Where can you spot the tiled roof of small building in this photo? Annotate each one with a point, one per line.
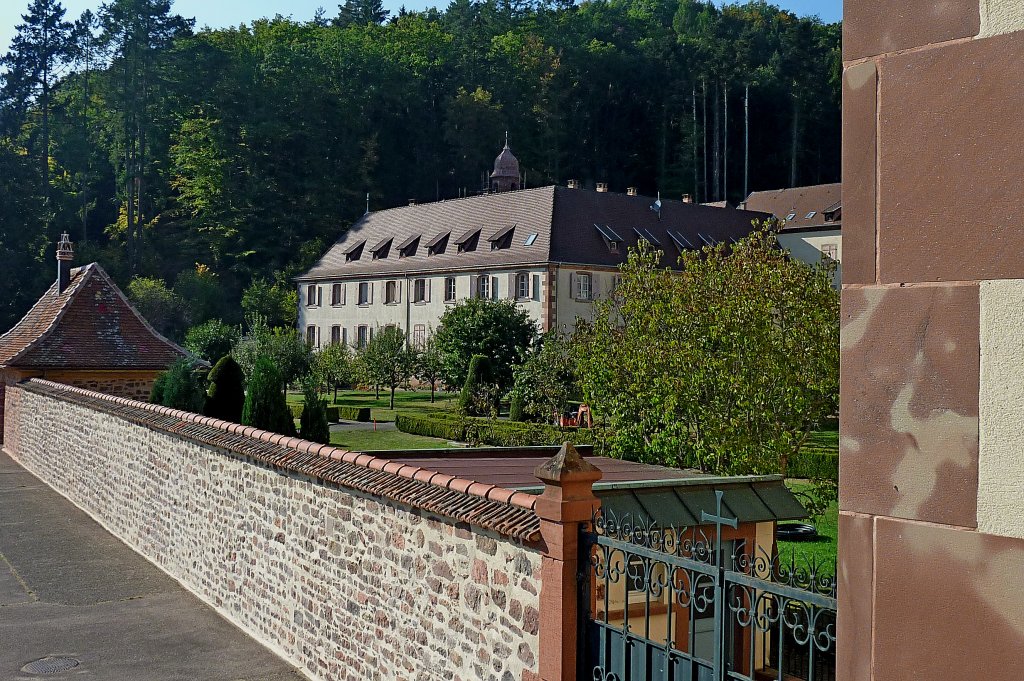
(564, 220)
(90, 325)
(817, 205)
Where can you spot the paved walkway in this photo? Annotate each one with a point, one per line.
(69, 588)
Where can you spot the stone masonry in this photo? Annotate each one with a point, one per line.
(931, 526)
(343, 584)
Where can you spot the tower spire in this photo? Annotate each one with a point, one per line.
(506, 139)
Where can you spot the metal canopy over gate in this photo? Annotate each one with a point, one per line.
(690, 605)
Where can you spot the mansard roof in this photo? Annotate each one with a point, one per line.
(816, 206)
(90, 325)
(565, 221)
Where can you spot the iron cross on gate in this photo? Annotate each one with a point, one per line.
(719, 520)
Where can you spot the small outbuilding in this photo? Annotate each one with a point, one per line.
(84, 332)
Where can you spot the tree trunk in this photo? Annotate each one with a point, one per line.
(725, 143)
(392, 397)
(795, 141)
(746, 144)
(696, 177)
(716, 169)
(431, 392)
(704, 106)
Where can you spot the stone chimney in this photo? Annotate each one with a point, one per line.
(631, 191)
(602, 187)
(574, 184)
(65, 256)
(687, 198)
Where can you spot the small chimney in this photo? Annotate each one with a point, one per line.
(630, 191)
(65, 255)
(687, 198)
(574, 184)
(602, 187)
(412, 202)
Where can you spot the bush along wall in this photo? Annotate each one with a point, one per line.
(492, 432)
(814, 464)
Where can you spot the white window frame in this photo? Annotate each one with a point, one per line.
(830, 251)
(312, 295)
(338, 294)
(335, 334)
(392, 292)
(420, 290)
(362, 336)
(419, 336)
(522, 284)
(450, 289)
(311, 333)
(583, 286)
(364, 288)
(483, 286)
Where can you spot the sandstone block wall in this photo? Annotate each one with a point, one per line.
(931, 506)
(343, 584)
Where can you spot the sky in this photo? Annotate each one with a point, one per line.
(219, 13)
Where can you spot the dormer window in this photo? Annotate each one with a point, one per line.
(646, 235)
(438, 244)
(468, 241)
(407, 248)
(502, 239)
(610, 237)
(681, 242)
(355, 251)
(381, 250)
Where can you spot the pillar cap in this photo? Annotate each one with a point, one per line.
(567, 466)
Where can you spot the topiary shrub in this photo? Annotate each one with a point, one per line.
(182, 388)
(225, 397)
(476, 398)
(265, 406)
(516, 411)
(313, 425)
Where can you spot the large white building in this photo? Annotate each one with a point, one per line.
(553, 250)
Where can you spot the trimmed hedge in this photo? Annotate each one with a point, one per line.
(814, 463)
(491, 432)
(352, 413)
(332, 412)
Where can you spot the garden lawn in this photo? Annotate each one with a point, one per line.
(822, 551)
(368, 440)
(406, 401)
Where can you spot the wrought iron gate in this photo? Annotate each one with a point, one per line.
(680, 605)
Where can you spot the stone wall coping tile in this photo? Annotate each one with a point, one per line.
(506, 511)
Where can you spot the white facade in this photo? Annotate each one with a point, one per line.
(351, 310)
(811, 246)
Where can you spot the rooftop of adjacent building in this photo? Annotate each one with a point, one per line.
(817, 206)
(84, 321)
(526, 227)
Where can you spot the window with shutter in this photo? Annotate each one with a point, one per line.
(311, 295)
(449, 289)
(494, 288)
(536, 287)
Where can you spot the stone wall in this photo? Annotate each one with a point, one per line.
(931, 520)
(346, 585)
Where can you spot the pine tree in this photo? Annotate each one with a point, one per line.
(40, 48)
(182, 387)
(265, 405)
(313, 424)
(361, 13)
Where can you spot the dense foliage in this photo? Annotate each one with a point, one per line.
(265, 406)
(726, 367)
(226, 395)
(480, 395)
(498, 329)
(283, 346)
(180, 387)
(313, 425)
(211, 339)
(248, 149)
(545, 382)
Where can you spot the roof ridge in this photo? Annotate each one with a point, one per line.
(458, 198)
(85, 271)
